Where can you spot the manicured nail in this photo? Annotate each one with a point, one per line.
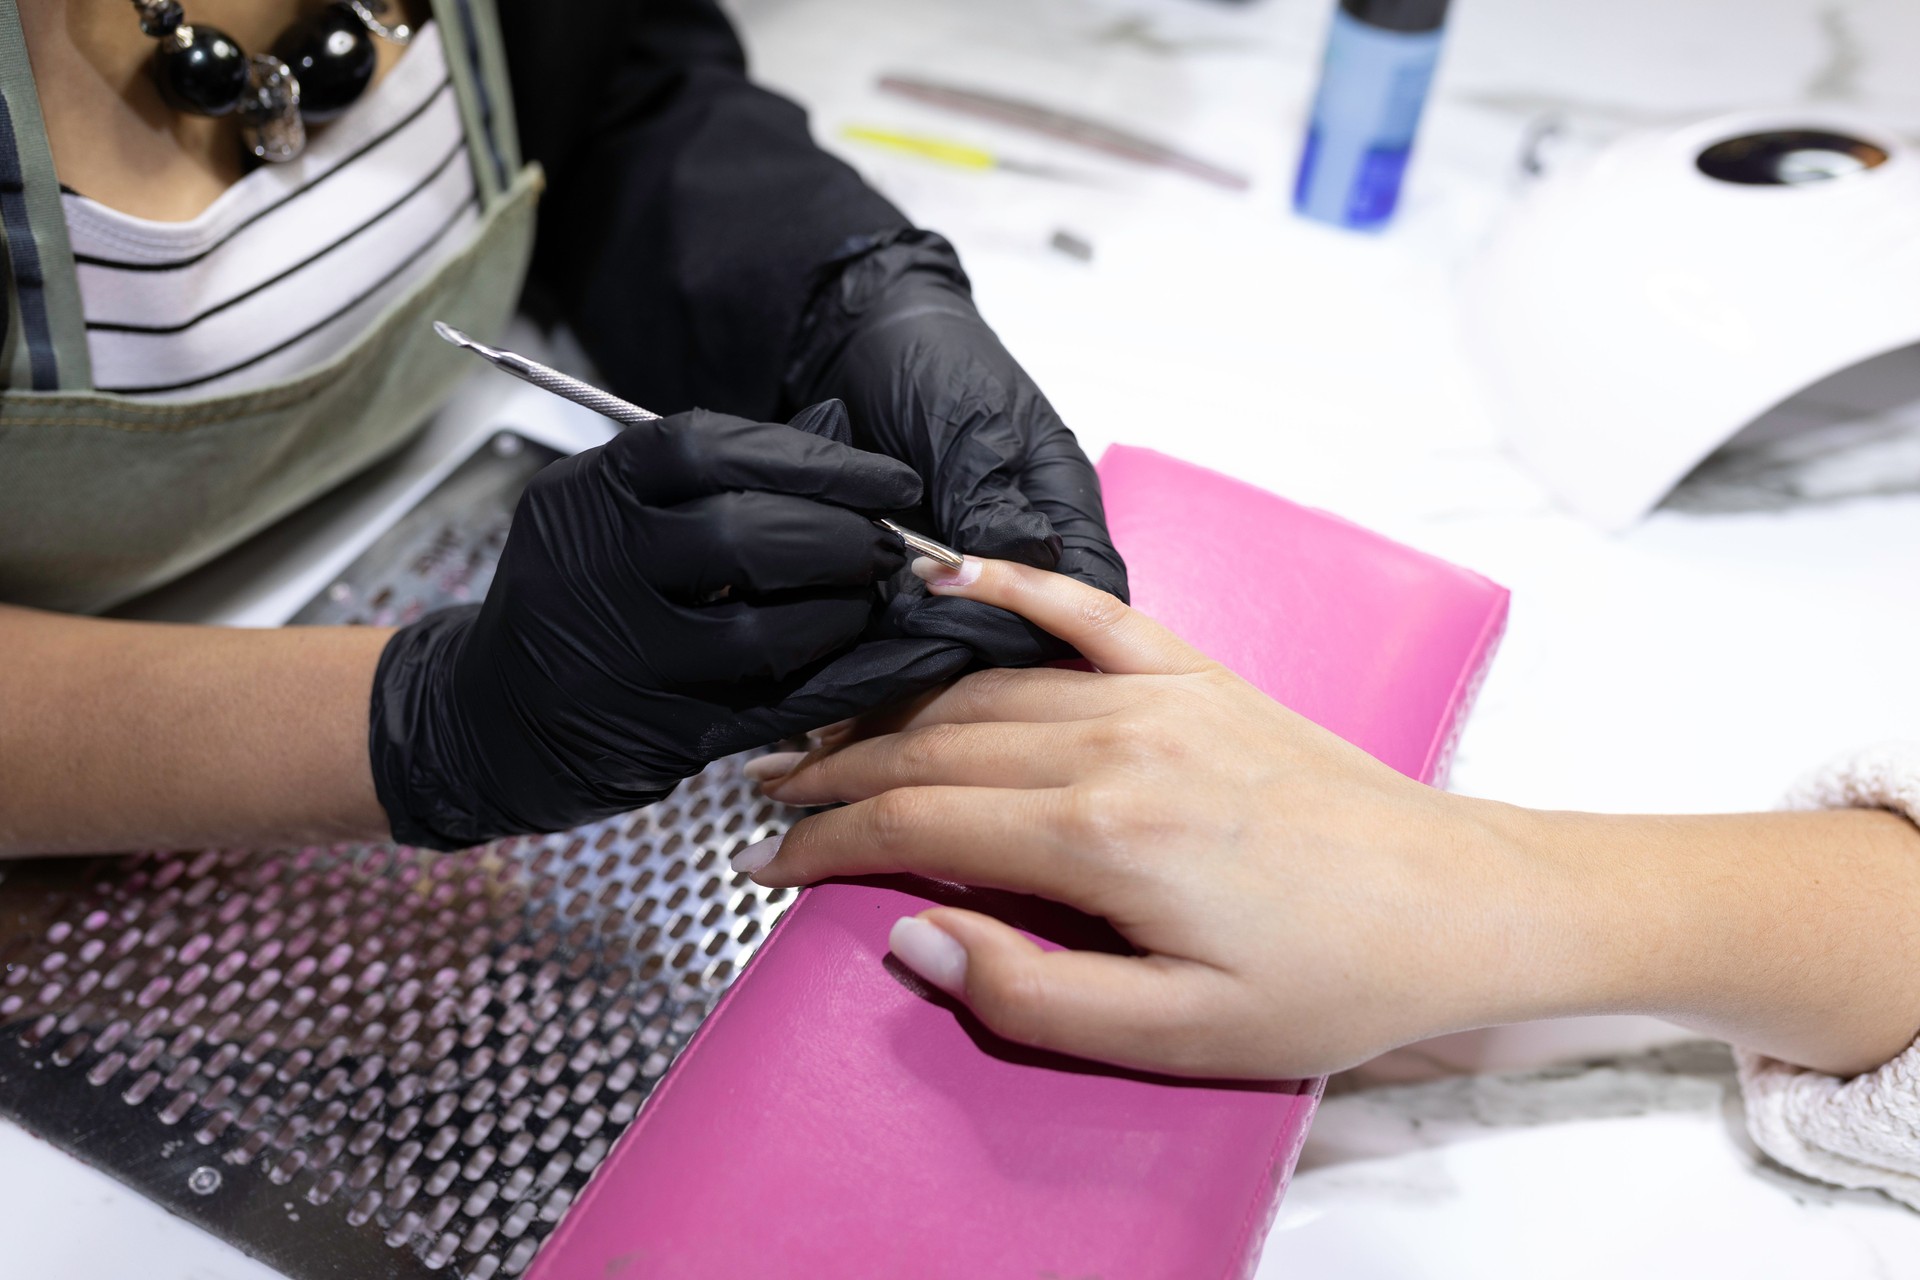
(757, 855)
(828, 733)
(935, 574)
(931, 952)
(773, 766)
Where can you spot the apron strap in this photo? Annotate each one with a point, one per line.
(45, 343)
(477, 60)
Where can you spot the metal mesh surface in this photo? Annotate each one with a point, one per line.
(370, 1061)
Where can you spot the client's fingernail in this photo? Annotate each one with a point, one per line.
(756, 855)
(773, 766)
(935, 574)
(931, 952)
(829, 733)
(837, 727)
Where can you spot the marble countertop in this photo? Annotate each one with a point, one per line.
(1695, 663)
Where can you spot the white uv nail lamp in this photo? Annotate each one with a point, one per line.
(1636, 310)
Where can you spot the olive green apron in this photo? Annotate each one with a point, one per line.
(104, 496)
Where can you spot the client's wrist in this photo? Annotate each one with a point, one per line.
(1643, 914)
(1781, 932)
(1563, 923)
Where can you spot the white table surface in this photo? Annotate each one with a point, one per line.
(1691, 664)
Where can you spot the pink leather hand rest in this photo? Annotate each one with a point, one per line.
(831, 1120)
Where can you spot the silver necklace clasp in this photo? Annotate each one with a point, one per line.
(370, 14)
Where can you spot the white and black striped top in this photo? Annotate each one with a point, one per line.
(291, 263)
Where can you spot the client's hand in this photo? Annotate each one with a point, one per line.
(1300, 906)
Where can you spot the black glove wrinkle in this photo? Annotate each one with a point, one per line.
(893, 332)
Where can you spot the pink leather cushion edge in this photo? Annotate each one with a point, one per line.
(831, 1120)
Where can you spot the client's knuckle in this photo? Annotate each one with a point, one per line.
(893, 817)
(1092, 821)
(1108, 735)
(1014, 1000)
(1160, 749)
(1097, 611)
(1128, 743)
(924, 749)
(1212, 682)
(985, 687)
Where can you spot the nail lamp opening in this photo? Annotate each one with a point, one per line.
(1638, 309)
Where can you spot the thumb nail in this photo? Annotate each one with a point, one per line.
(931, 952)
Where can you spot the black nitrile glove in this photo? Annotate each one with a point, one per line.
(674, 596)
(894, 333)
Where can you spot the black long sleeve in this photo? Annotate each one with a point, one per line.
(688, 212)
(691, 232)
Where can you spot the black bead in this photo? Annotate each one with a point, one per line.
(161, 17)
(201, 70)
(332, 57)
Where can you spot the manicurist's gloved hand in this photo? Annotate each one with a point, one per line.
(894, 333)
(686, 591)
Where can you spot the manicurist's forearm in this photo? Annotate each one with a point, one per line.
(1794, 934)
(120, 735)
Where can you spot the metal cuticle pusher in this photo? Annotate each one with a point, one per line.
(627, 414)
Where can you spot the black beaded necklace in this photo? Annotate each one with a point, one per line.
(316, 70)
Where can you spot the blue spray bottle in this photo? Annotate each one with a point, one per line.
(1379, 65)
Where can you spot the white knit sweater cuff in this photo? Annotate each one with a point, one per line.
(1863, 1132)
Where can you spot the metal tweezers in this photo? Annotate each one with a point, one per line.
(628, 414)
